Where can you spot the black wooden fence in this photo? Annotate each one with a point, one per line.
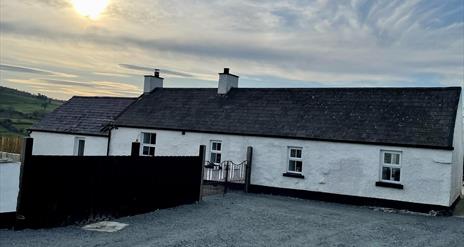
(61, 190)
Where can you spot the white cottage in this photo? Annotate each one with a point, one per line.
(78, 127)
(398, 145)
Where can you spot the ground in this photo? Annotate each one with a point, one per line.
(459, 210)
(240, 219)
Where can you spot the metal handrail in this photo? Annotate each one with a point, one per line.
(223, 169)
(225, 162)
(233, 172)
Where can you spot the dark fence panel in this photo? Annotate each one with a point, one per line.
(61, 190)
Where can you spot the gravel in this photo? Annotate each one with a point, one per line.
(240, 219)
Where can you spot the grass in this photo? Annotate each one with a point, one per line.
(20, 110)
(24, 102)
(5, 132)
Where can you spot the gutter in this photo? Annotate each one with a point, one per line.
(66, 132)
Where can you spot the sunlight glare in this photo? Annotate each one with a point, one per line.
(90, 8)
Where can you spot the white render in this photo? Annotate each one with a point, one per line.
(226, 82)
(458, 153)
(9, 186)
(47, 143)
(151, 82)
(429, 176)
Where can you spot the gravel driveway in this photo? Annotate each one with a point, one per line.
(240, 219)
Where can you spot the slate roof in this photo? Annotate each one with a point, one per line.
(419, 117)
(83, 115)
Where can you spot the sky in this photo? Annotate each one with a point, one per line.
(60, 49)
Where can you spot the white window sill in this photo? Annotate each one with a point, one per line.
(293, 175)
(389, 185)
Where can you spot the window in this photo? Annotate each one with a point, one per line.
(390, 166)
(148, 144)
(79, 145)
(295, 162)
(216, 148)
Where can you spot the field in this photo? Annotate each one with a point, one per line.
(239, 219)
(19, 110)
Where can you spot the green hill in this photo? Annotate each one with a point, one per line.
(19, 110)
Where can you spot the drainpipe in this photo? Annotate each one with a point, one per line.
(109, 141)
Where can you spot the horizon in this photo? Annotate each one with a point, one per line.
(62, 48)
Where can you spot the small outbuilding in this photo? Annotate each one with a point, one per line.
(78, 126)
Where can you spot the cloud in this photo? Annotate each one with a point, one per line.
(136, 67)
(335, 60)
(24, 70)
(21, 69)
(81, 88)
(112, 74)
(358, 42)
(53, 3)
(354, 61)
(148, 69)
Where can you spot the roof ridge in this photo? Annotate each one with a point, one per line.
(302, 88)
(103, 97)
(109, 125)
(317, 88)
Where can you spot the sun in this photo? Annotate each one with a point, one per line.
(90, 8)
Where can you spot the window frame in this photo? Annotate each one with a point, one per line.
(76, 150)
(290, 158)
(149, 144)
(391, 166)
(215, 151)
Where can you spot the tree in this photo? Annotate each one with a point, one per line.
(45, 101)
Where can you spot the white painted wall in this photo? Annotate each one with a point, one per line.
(226, 82)
(46, 143)
(458, 154)
(9, 186)
(151, 82)
(340, 168)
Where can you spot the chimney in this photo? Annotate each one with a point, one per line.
(152, 81)
(226, 82)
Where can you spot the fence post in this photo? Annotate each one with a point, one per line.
(26, 154)
(249, 157)
(226, 180)
(202, 154)
(135, 149)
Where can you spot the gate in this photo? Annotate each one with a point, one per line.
(220, 176)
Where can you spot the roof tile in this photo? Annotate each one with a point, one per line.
(83, 115)
(399, 116)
